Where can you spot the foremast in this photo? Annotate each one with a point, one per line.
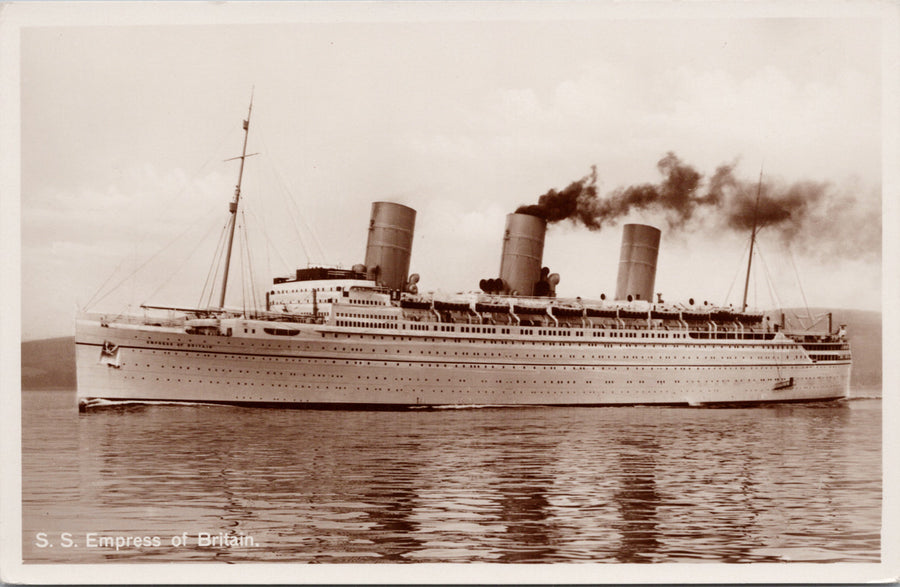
(233, 206)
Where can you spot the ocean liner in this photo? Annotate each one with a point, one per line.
(365, 337)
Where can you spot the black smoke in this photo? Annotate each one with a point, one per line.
(573, 203)
(813, 215)
(678, 193)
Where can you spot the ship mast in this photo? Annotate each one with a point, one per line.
(233, 206)
(752, 242)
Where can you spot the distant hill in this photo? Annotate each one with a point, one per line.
(50, 363)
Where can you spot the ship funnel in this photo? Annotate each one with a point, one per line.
(637, 262)
(390, 243)
(523, 250)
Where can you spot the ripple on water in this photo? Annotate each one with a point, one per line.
(773, 484)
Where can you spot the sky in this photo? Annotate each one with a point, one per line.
(461, 111)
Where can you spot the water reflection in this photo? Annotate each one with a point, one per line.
(395, 531)
(637, 500)
(523, 506)
(530, 485)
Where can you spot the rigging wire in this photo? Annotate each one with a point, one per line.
(243, 253)
(108, 279)
(165, 205)
(294, 209)
(769, 280)
(140, 267)
(304, 246)
(214, 266)
(253, 283)
(172, 274)
(283, 189)
(217, 263)
(248, 213)
(756, 282)
(206, 291)
(806, 322)
(799, 284)
(267, 238)
(260, 133)
(241, 274)
(219, 148)
(812, 318)
(265, 231)
(736, 274)
(249, 298)
(249, 277)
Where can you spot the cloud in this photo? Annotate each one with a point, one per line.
(142, 203)
(608, 116)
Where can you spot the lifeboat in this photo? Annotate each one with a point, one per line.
(704, 316)
(523, 309)
(750, 318)
(415, 304)
(492, 307)
(632, 314)
(601, 313)
(566, 311)
(722, 316)
(664, 314)
(444, 306)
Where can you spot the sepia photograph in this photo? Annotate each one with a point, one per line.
(449, 292)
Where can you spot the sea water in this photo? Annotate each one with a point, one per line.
(136, 482)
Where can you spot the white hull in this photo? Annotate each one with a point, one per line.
(332, 367)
